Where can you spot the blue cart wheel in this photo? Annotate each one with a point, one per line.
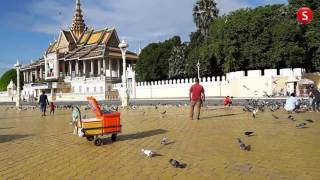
(90, 138)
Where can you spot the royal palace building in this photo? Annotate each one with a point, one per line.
(81, 61)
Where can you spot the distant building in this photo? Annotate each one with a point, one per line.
(81, 61)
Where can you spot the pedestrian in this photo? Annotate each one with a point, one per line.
(226, 101)
(316, 98)
(311, 97)
(43, 101)
(196, 96)
(52, 107)
(292, 104)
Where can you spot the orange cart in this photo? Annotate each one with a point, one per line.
(104, 123)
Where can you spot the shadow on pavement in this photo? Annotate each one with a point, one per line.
(8, 138)
(7, 128)
(223, 115)
(139, 135)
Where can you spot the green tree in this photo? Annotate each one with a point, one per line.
(153, 61)
(204, 13)
(6, 78)
(178, 62)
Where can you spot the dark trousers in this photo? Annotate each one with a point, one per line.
(43, 108)
(316, 105)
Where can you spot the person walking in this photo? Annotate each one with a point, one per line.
(316, 98)
(43, 101)
(52, 107)
(196, 96)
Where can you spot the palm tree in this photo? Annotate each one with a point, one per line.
(204, 13)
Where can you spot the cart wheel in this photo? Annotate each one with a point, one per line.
(90, 138)
(97, 142)
(113, 137)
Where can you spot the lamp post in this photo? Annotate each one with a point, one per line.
(18, 100)
(198, 66)
(125, 98)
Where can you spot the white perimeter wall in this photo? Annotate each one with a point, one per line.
(255, 84)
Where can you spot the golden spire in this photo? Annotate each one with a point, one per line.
(78, 25)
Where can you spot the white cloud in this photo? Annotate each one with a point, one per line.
(135, 20)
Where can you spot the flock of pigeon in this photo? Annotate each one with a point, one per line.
(254, 106)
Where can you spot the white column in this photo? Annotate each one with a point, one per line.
(104, 66)
(77, 68)
(27, 77)
(92, 70)
(84, 67)
(24, 76)
(110, 67)
(70, 68)
(31, 80)
(118, 66)
(36, 73)
(41, 73)
(18, 100)
(99, 67)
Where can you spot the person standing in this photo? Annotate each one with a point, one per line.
(196, 96)
(316, 99)
(43, 101)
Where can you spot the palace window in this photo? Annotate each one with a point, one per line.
(101, 89)
(87, 89)
(95, 89)
(80, 89)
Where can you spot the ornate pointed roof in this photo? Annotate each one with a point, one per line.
(78, 25)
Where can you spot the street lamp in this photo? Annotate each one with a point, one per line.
(18, 100)
(198, 66)
(125, 97)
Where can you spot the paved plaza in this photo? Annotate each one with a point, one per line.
(35, 147)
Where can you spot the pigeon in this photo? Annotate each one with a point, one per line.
(155, 107)
(164, 141)
(248, 133)
(176, 163)
(301, 125)
(243, 146)
(291, 118)
(275, 117)
(84, 117)
(164, 112)
(133, 108)
(147, 153)
(310, 121)
(254, 113)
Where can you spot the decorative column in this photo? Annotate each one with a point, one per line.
(77, 68)
(31, 79)
(70, 68)
(110, 67)
(41, 73)
(104, 66)
(84, 68)
(125, 98)
(18, 99)
(118, 66)
(99, 67)
(36, 74)
(92, 70)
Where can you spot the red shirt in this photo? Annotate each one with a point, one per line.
(196, 91)
(226, 101)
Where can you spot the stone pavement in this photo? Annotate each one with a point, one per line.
(35, 147)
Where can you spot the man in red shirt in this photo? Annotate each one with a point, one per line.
(196, 95)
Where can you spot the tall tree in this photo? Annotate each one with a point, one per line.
(178, 62)
(153, 61)
(204, 13)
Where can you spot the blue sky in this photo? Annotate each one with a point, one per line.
(28, 26)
